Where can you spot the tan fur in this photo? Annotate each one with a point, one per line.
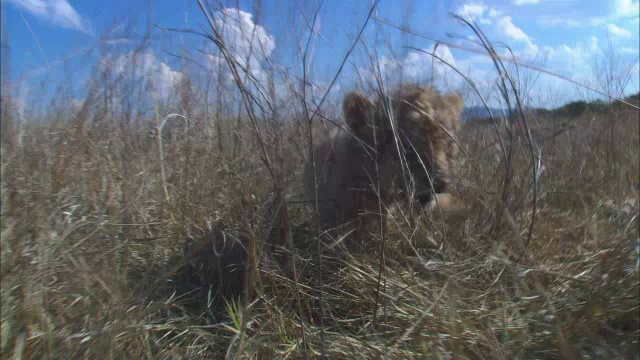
(422, 119)
(446, 202)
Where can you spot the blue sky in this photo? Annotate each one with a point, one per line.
(563, 36)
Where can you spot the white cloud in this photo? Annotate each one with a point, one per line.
(515, 33)
(445, 54)
(525, 2)
(472, 10)
(57, 12)
(579, 62)
(416, 66)
(250, 44)
(576, 60)
(144, 67)
(506, 26)
(629, 51)
(315, 91)
(530, 50)
(242, 36)
(622, 9)
(387, 65)
(618, 31)
(485, 15)
(494, 13)
(565, 21)
(626, 8)
(477, 12)
(573, 60)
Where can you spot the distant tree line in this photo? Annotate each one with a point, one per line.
(577, 108)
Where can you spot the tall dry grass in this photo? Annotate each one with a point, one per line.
(94, 214)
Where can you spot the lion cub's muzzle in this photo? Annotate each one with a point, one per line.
(424, 197)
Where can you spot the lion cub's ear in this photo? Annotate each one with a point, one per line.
(456, 102)
(355, 107)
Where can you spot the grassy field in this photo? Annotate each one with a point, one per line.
(540, 261)
(88, 238)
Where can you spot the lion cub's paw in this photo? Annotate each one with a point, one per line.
(445, 202)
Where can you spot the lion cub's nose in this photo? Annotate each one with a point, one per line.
(424, 198)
